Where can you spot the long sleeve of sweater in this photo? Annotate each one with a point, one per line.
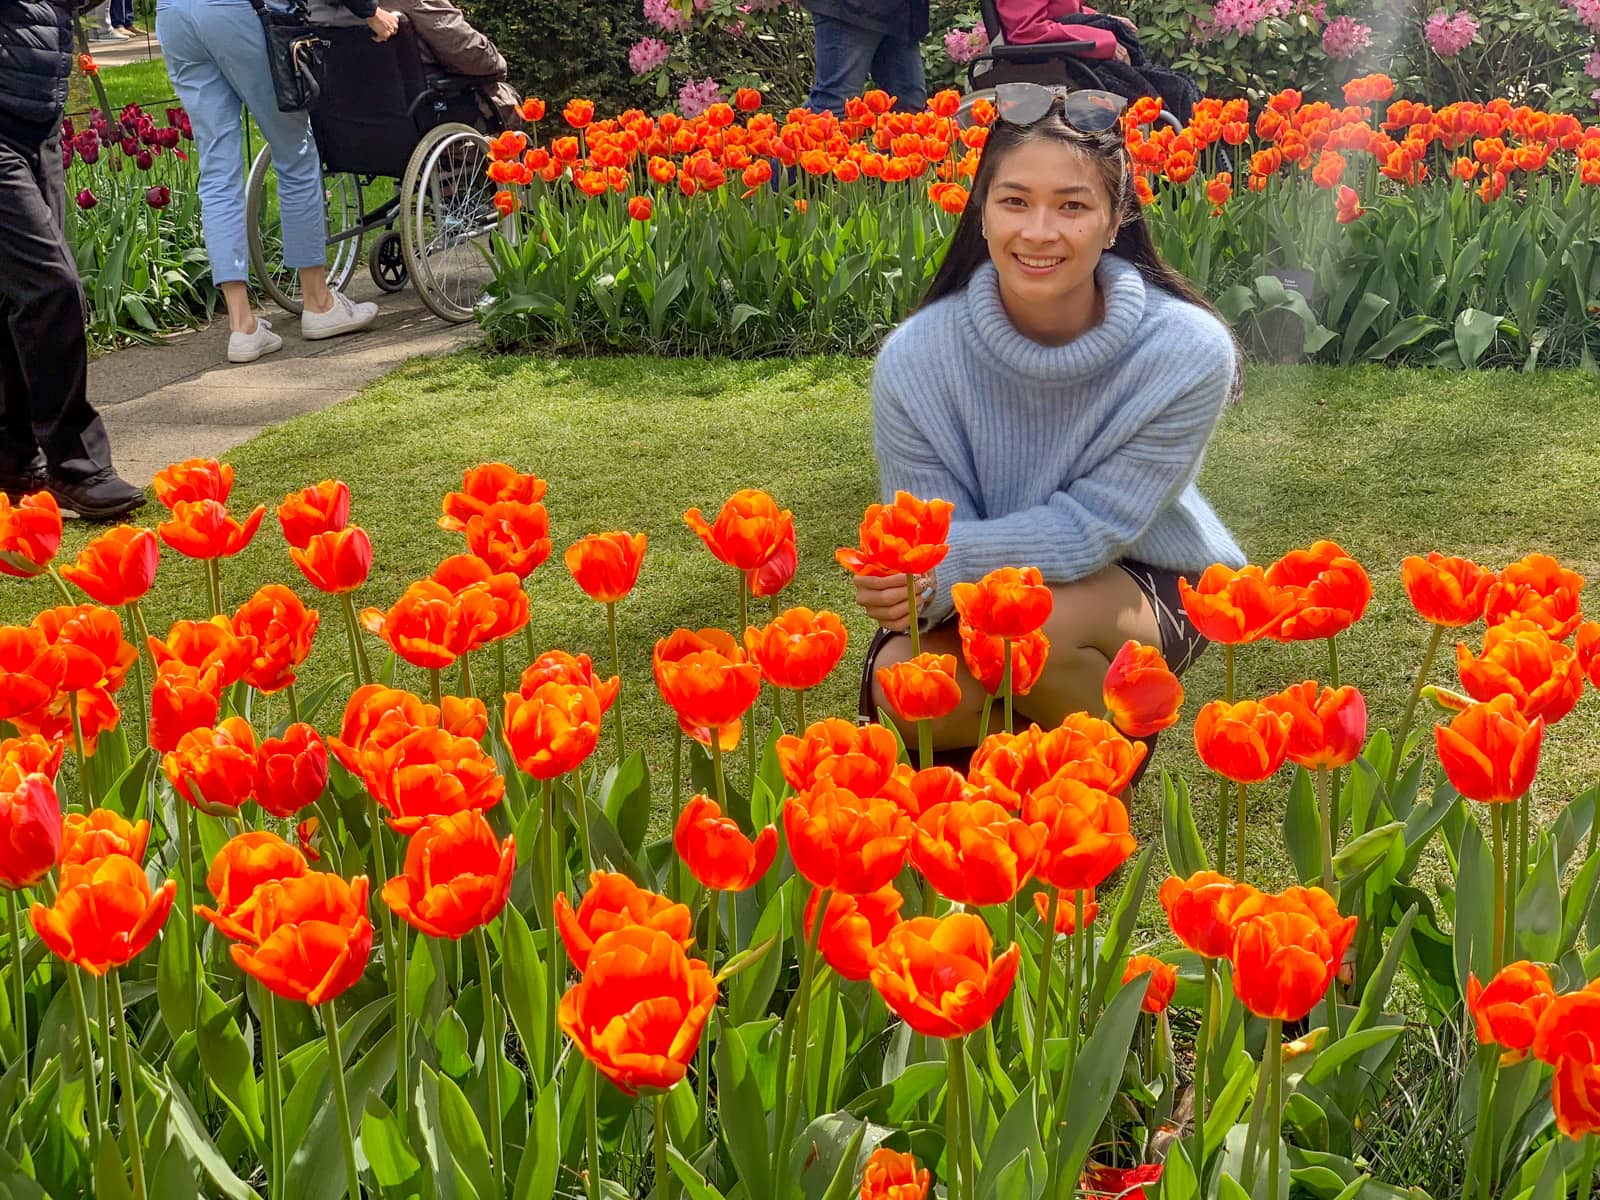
(1025, 22)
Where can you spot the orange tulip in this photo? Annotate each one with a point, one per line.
(89, 641)
(890, 1175)
(213, 645)
(281, 628)
(639, 1010)
(204, 529)
(245, 864)
(1330, 589)
(940, 976)
(321, 508)
(1490, 752)
(486, 484)
(96, 710)
(615, 902)
(553, 730)
(30, 534)
(1327, 728)
(974, 852)
(116, 568)
(380, 716)
(777, 573)
(1086, 834)
(716, 850)
(798, 649)
(1201, 911)
(488, 604)
(513, 538)
(1067, 908)
(1540, 589)
(1286, 950)
(865, 759)
(578, 113)
(104, 914)
(853, 929)
(312, 937)
(1245, 742)
(1507, 1011)
(291, 771)
(425, 626)
(464, 716)
(1446, 591)
(705, 677)
(335, 561)
(907, 537)
(30, 829)
(432, 773)
(606, 565)
(86, 837)
(182, 699)
(193, 479)
(215, 769)
(1568, 1036)
(1235, 607)
(1163, 981)
(1006, 603)
(748, 530)
(35, 755)
(986, 660)
(1140, 692)
(457, 876)
(1009, 767)
(557, 666)
(923, 688)
(1522, 661)
(840, 840)
(30, 670)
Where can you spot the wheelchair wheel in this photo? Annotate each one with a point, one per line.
(387, 262)
(447, 216)
(264, 231)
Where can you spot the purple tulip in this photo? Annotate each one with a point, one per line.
(158, 196)
(143, 160)
(87, 199)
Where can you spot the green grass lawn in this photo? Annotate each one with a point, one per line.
(142, 83)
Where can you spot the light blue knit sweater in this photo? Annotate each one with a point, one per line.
(1064, 458)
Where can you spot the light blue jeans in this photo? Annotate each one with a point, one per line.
(217, 56)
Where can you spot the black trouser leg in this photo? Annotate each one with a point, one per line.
(44, 361)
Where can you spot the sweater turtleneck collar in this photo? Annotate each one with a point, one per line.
(1124, 291)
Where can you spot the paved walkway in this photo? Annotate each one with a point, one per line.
(181, 398)
(122, 52)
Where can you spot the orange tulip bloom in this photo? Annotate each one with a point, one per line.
(615, 902)
(1086, 834)
(1286, 950)
(1490, 752)
(1201, 910)
(1327, 728)
(1245, 742)
(854, 928)
(1446, 591)
(88, 639)
(974, 852)
(193, 479)
(1522, 661)
(205, 529)
(798, 649)
(104, 914)
(1007, 603)
(245, 864)
(1140, 692)
(511, 537)
(705, 677)
(803, 759)
(182, 699)
(30, 534)
(280, 627)
(1568, 1036)
(1540, 589)
(1163, 981)
(488, 604)
(606, 565)
(940, 975)
(840, 840)
(1067, 909)
(321, 508)
(30, 829)
(291, 771)
(335, 561)
(215, 769)
(923, 688)
(457, 876)
(86, 837)
(777, 573)
(1331, 591)
(748, 530)
(1507, 1011)
(486, 484)
(639, 1010)
(1010, 767)
(1235, 607)
(425, 627)
(890, 1175)
(214, 646)
(312, 937)
(34, 755)
(116, 568)
(431, 773)
(986, 661)
(716, 850)
(550, 732)
(464, 716)
(907, 537)
(30, 670)
(557, 666)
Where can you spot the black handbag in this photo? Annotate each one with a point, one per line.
(295, 53)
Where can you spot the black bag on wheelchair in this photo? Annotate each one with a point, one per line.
(295, 53)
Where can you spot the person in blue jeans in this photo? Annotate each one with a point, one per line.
(217, 56)
(858, 39)
(122, 17)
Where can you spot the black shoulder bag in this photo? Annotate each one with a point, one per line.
(295, 53)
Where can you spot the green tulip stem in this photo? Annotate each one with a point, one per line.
(1041, 1005)
(67, 597)
(465, 663)
(1201, 1049)
(493, 1041)
(591, 1115)
(402, 1030)
(84, 792)
(1480, 1164)
(1411, 703)
(585, 849)
(1586, 1167)
(1498, 947)
(85, 1051)
(435, 687)
(214, 583)
(616, 669)
(1007, 676)
(829, 1033)
(330, 1028)
(1333, 662)
(267, 1009)
(552, 956)
(19, 988)
(130, 1112)
(798, 1019)
(711, 965)
(1238, 849)
(186, 820)
(800, 712)
(1325, 808)
(663, 1168)
(294, 705)
(360, 665)
(1274, 1125)
(911, 616)
(677, 806)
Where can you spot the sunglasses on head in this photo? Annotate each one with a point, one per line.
(1087, 110)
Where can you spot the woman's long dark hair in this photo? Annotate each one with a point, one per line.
(969, 250)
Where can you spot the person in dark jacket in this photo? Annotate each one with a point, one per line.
(858, 39)
(51, 438)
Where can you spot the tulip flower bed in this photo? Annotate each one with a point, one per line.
(1453, 237)
(844, 971)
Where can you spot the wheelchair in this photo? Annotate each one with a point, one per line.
(401, 153)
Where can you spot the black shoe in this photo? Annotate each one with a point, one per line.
(101, 497)
(19, 483)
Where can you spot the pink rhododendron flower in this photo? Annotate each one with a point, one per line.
(647, 54)
(1448, 35)
(1588, 12)
(1346, 37)
(694, 98)
(664, 14)
(963, 45)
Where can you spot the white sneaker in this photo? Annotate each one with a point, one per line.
(247, 347)
(346, 316)
(121, 35)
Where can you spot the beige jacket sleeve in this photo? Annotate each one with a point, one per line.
(455, 44)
